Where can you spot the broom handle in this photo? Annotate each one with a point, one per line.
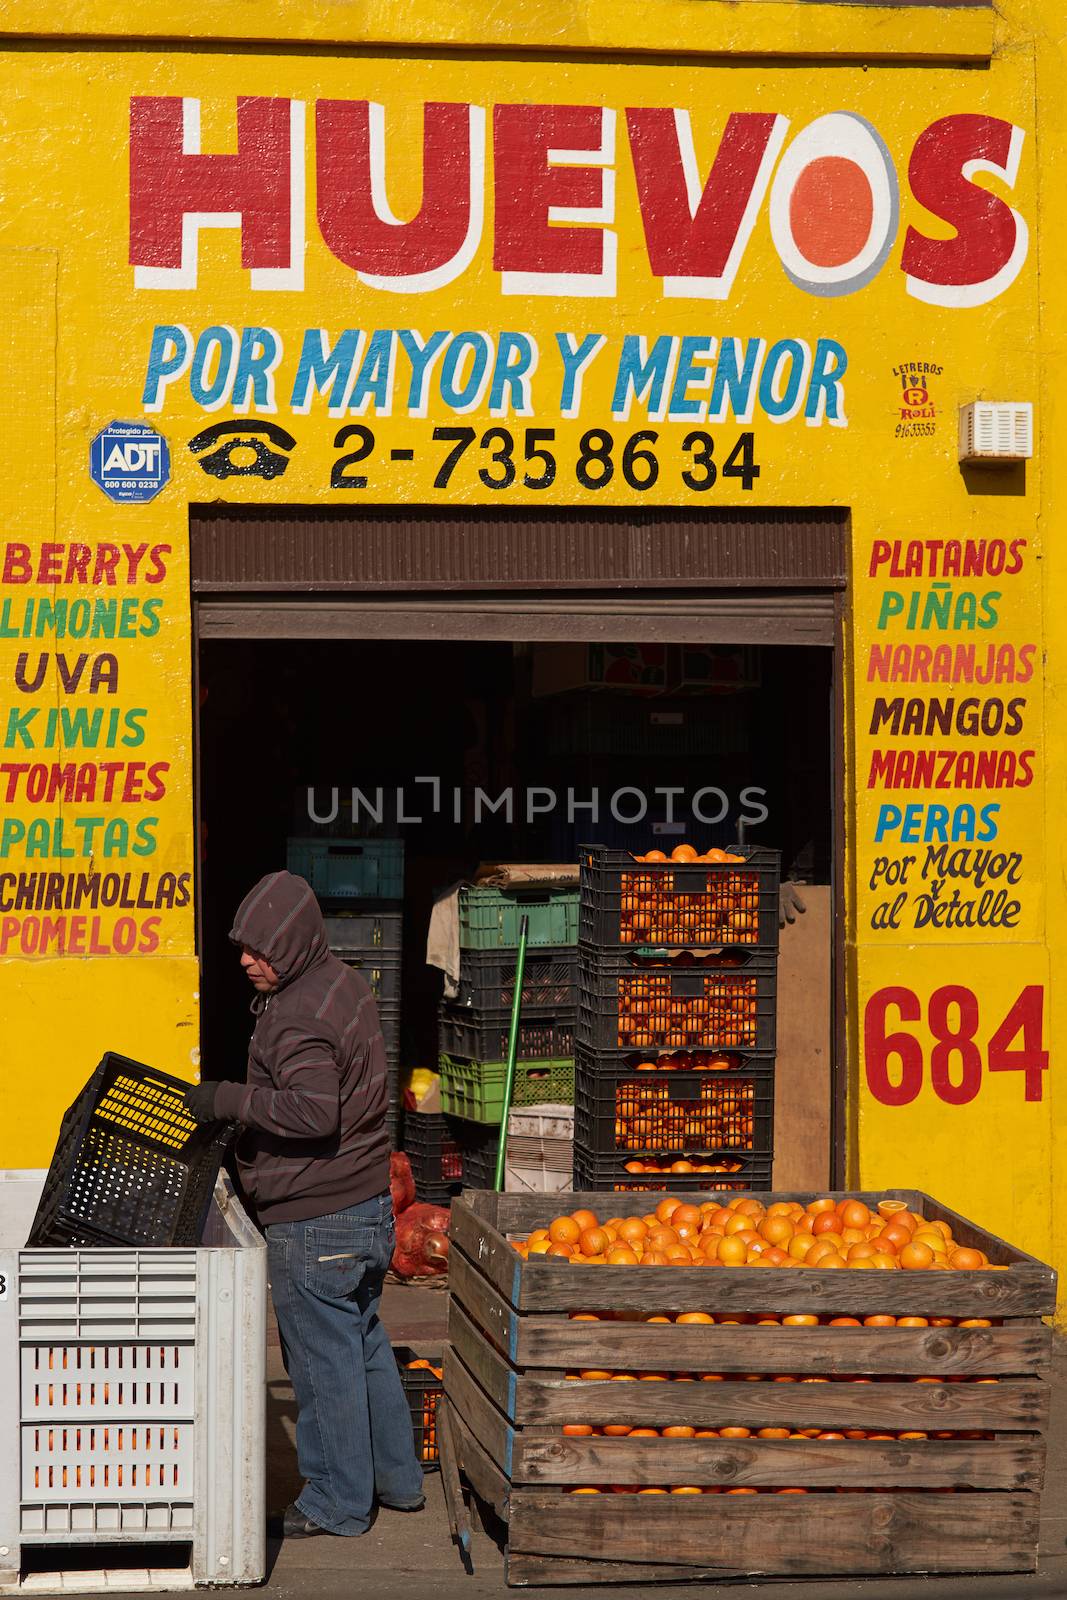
(513, 1050)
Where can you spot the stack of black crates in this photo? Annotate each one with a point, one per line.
(360, 886)
(458, 1149)
(677, 994)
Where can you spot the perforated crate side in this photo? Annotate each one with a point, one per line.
(627, 903)
(595, 1172)
(139, 1408)
(549, 979)
(628, 1004)
(674, 1115)
(422, 1389)
(475, 1089)
(485, 1036)
(132, 1166)
(489, 918)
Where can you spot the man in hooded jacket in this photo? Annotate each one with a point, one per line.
(314, 1156)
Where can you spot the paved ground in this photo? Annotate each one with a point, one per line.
(413, 1557)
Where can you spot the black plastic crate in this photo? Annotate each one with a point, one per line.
(389, 1017)
(484, 1035)
(131, 1167)
(366, 931)
(382, 972)
(674, 1115)
(549, 979)
(618, 725)
(478, 1150)
(423, 1387)
(714, 1003)
(627, 903)
(434, 1152)
(614, 1174)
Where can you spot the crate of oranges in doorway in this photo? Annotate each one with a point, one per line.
(710, 1419)
(723, 897)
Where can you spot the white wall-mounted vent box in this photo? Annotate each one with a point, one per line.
(994, 430)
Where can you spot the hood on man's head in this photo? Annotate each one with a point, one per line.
(281, 920)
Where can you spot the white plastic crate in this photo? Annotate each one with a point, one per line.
(540, 1150)
(992, 431)
(132, 1406)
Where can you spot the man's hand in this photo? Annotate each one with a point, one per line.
(200, 1098)
(789, 904)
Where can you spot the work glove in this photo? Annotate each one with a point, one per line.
(200, 1099)
(789, 904)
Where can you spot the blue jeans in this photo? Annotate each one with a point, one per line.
(353, 1434)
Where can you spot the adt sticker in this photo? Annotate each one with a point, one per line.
(130, 462)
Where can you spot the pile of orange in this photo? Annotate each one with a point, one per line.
(647, 1117)
(689, 1061)
(651, 1014)
(826, 1233)
(724, 911)
(582, 1430)
(680, 1166)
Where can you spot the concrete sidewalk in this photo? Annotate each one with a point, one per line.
(413, 1556)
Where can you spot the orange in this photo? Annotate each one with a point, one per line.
(827, 1222)
(584, 1219)
(845, 1322)
(565, 1250)
(577, 1430)
(583, 1491)
(915, 1257)
(631, 1229)
(644, 1433)
(800, 1320)
(688, 1489)
(595, 1375)
(620, 1255)
(854, 1214)
(885, 1262)
(773, 1433)
(735, 1433)
(912, 1322)
(679, 1431)
(732, 1252)
(683, 852)
(965, 1259)
(593, 1241)
(616, 1430)
(666, 1209)
(880, 1321)
(695, 1316)
(565, 1230)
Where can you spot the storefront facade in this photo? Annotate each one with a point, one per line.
(530, 264)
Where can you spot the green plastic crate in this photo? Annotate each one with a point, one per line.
(489, 918)
(475, 1089)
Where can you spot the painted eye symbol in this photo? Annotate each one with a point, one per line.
(242, 454)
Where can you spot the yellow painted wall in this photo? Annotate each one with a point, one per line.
(75, 335)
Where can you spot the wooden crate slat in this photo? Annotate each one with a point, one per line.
(780, 1463)
(536, 1397)
(550, 1285)
(484, 1476)
(482, 1303)
(489, 1426)
(525, 1571)
(483, 1243)
(1008, 1406)
(903, 1533)
(653, 1347)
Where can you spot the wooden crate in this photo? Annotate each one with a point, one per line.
(513, 1343)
